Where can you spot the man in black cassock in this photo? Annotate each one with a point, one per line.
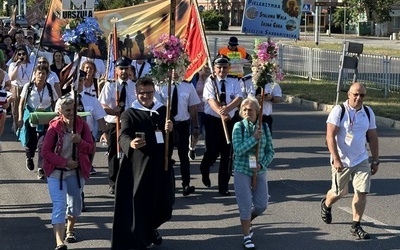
(145, 192)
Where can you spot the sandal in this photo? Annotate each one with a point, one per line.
(70, 237)
(248, 243)
(326, 212)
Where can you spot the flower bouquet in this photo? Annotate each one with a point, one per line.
(79, 33)
(265, 66)
(169, 56)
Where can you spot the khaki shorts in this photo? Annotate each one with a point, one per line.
(360, 174)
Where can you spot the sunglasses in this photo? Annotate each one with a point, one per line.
(222, 67)
(146, 93)
(42, 62)
(358, 94)
(21, 54)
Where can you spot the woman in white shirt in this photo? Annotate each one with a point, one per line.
(20, 72)
(37, 95)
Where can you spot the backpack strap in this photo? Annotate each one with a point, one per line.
(343, 109)
(50, 89)
(366, 109)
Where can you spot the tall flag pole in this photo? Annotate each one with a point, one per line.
(171, 75)
(117, 100)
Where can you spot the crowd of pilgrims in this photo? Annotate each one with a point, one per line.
(64, 148)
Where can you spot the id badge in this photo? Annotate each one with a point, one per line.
(252, 161)
(159, 136)
(349, 138)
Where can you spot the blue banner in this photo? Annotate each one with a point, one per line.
(274, 18)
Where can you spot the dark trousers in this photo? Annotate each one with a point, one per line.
(113, 161)
(32, 144)
(181, 137)
(216, 146)
(268, 120)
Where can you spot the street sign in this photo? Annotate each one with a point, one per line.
(306, 8)
(201, 8)
(334, 4)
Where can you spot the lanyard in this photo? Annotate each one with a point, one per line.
(41, 95)
(352, 121)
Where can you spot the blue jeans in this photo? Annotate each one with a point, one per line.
(66, 201)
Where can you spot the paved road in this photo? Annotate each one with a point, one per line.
(299, 176)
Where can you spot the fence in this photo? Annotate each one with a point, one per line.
(376, 71)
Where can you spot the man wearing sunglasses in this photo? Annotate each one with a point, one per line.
(346, 138)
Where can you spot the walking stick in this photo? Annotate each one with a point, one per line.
(167, 117)
(117, 101)
(254, 177)
(228, 140)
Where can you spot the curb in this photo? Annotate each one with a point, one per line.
(387, 122)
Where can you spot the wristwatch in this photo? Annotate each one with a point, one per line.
(376, 163)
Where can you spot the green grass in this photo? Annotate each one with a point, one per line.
(368, 49)
(325, 92)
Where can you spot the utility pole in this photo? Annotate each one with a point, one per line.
(316, 22)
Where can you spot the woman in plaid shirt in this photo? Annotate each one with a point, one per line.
(252, 201)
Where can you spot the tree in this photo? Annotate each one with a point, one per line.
(212, 18)
(376, 10)
(339, 17)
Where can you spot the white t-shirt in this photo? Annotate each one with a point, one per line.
(275, 90)
(39, 99)
(92, 105)
(357, 123)
(187, 97)
(25, 72)
(146, 68)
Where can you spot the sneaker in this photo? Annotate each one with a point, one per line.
(29, 164)
(40, 174)
(192, 154)
(248, 243)
(326, 214)
(188, 190)
(93, 171)
(360, 233)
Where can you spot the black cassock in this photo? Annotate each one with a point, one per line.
(144, 191)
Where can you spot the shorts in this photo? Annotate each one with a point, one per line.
(360, 174)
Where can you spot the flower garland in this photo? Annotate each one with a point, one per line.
(264, 65)
(79, 33)
(169, 55)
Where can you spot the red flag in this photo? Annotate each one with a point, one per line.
(195, 47)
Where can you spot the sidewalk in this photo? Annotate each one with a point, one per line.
(327, 108)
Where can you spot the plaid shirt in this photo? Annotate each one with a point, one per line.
(244, 145)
